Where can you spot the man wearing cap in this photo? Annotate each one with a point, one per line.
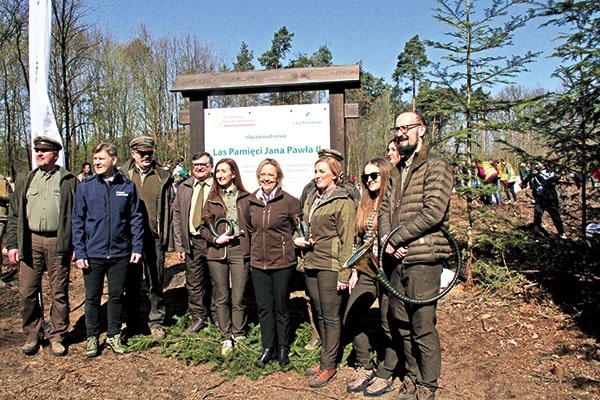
(155, 188)
(39, 239)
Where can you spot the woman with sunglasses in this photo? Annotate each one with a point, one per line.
(228, 254)
(329, 211)
(364, 290)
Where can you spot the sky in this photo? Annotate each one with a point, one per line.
(372, 32)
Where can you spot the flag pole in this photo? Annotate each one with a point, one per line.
(41, 116)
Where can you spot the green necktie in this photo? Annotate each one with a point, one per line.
(197, 218)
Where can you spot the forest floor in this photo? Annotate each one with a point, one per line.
(537, 339)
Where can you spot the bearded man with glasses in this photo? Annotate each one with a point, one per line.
(418, 202)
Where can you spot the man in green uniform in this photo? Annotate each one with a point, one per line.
(155, 187)
(39, 239)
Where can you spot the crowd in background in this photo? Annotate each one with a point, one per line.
(120, 222)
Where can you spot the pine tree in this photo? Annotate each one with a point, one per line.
(244, 59)
(411, 63)
(569, 121)
(472, 61)
(280, 47)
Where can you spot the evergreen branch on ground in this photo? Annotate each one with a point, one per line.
(205, 348)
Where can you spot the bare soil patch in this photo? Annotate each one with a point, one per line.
(534, 342)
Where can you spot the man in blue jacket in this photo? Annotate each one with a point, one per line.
(107, 235)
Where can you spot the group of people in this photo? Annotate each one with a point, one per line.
(119, 222)
(501, 175)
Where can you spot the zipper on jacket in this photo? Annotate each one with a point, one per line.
(266, 221)
(108, 189)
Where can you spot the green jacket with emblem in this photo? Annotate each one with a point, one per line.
(18, 235)
(332, 230)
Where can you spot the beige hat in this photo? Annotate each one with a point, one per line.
(46, 143)
(142, 142)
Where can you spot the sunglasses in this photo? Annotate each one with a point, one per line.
(145, 153)
(372, 175)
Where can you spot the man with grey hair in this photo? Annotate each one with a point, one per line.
(190, 247)
(155, 188)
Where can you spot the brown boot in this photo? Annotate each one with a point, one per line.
(322, 377)
(312, 371)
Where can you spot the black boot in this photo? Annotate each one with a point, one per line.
(267, 355)
(284, 355)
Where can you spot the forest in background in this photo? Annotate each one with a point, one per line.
(105, 90)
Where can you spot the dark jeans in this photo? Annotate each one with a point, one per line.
(271, 288)
(44, 258)
(510, 191)
(197, 280)
(149, 274)
(415, 325)
(115, 271)
(552, 207)
(387, 366)
(327, 303)
(229, 278)
(361, 299)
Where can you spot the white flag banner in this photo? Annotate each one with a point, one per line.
(41, 116)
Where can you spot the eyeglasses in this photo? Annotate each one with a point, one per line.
(403, 128)
(200, 165)
(270, 176)
(372, 175)
(149, 153)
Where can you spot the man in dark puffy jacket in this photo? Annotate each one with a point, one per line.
(107, 236)
(417, 201)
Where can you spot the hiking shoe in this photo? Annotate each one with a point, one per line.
(379, 386)
(30, 347)
(227, 346)
(238, 339)
(322, 378)
(114, 343)
(424, 393)
(91, 349)
(314, 344)
(57, 349)
(360, 380)
(312, 371)
(157, 333)
(408, 390)
(197, 325)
